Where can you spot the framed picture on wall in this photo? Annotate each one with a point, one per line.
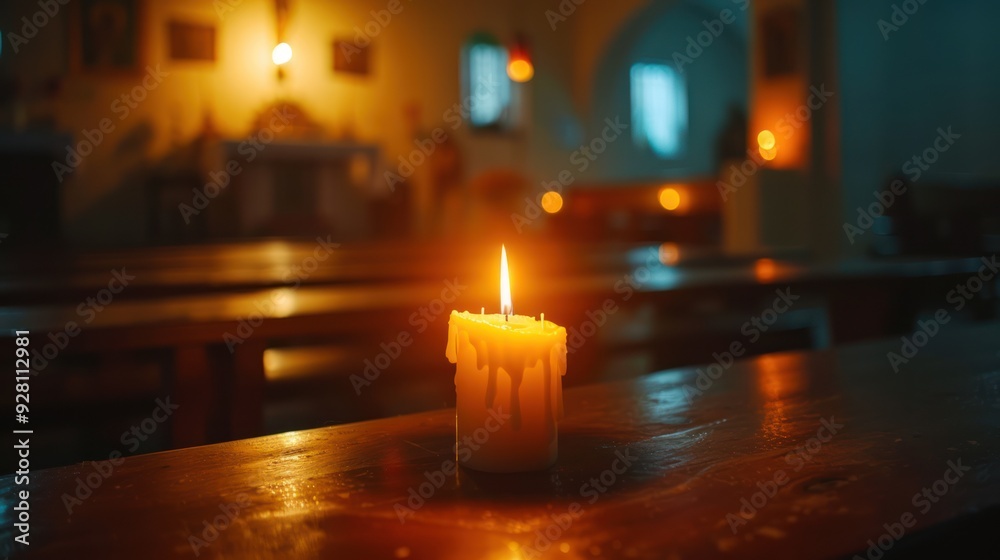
(191, 41)
(106, 36)
(351, 58)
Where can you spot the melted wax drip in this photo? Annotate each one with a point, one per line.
(492, 357)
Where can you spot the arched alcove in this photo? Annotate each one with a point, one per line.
(714, 72)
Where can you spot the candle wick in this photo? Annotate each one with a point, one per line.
(505, 317)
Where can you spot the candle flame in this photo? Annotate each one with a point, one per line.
(506, 307)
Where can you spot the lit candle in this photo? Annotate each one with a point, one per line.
(508, 382)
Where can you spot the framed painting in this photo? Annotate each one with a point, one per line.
(106, 36)
(191, 41)
(350, 58)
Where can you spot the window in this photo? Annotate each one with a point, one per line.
(486, 88)
(659, 109)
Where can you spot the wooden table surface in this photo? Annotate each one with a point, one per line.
(333, 492)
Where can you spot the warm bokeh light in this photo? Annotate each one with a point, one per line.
(670, 198)
(506, 307)
(766, 140)
(768, 154)
(669, 253)
(520, 69)
(764, 270)
(281, 54)
(552, 202)
(519, 65)
(272, 361)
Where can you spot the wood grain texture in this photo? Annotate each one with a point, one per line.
(331, 492)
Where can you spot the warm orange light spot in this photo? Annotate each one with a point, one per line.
(670, 198)
(552, 202)
(520, 70)
(505, 305)
(272, 360)
(281, 54)
(764, 270)
(669, 253)
(564, 547)
(768, 154)
(766, 140)
(779, 377)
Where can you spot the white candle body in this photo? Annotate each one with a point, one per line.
(508, 384)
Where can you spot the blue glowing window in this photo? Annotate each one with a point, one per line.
(659, 109)
(485, 87)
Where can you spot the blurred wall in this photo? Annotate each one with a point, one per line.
(938, 69)
(582, 53)
(415, 65)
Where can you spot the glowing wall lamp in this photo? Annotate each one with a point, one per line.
(282, 52)
(519, 65)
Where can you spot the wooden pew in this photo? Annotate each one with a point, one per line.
(633, 212)
(694, 308)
